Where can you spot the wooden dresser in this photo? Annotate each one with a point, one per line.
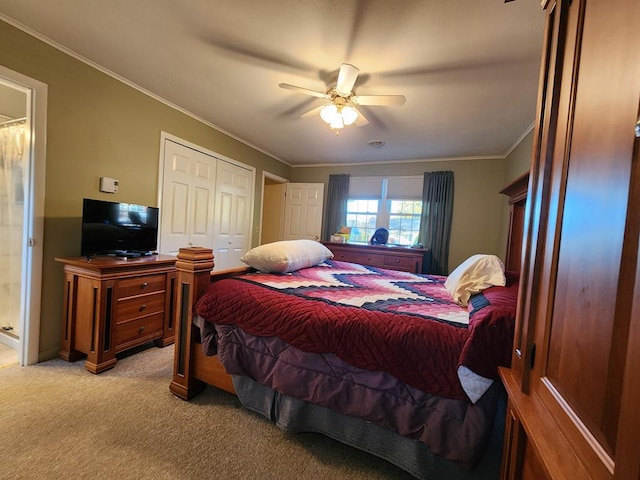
(393, 258)
(111, 305)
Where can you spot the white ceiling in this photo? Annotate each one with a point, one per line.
(468, 68)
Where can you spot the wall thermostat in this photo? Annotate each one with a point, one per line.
(108, 185)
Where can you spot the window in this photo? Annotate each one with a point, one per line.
(362, 216)
(394, 203)
(404, 221)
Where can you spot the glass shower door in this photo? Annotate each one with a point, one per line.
(13, 159)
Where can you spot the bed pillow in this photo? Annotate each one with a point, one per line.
(474, 275)
(286, 256)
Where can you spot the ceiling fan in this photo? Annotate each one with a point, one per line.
(342, 101)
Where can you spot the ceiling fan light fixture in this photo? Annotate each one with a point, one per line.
(337, 116)
(337, 122)
(349, 115)
(341, 108)
(329, 112)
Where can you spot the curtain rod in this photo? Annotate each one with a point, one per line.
(11, 122)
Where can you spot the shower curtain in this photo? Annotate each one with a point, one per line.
(12, 162)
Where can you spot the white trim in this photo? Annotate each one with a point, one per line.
(273, 176)
(37, 92)
(520, 139)
(128, 82)
(387, 162)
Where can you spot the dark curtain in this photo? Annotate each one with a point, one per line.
(435, 223)
(337, 194)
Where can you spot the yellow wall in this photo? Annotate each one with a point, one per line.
(518, 163)
(273, 213)
(477, 205)
(519, 160)
(98, 126)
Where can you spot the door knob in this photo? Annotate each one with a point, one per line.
(638, 128)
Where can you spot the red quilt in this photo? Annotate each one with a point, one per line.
(375, 319)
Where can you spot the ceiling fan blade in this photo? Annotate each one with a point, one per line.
(306, 91)
(312, 112)
(346, 79)
(361, 121)
(379, 99)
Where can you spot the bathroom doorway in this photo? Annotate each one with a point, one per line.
(22, 133)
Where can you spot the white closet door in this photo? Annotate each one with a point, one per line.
(232, 224)
(186, 212)
(303, 211)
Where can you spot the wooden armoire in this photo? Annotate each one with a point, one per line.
(574, 384)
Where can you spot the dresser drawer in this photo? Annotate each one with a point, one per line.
(138, 328)
(400, 262)
(128, 287)
(141, 305)
(344, 256)
(371, 259)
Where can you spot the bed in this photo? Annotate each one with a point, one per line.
(352, 352)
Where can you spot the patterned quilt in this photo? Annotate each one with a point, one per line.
(375, 319)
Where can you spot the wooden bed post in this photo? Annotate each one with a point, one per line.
(193, 267)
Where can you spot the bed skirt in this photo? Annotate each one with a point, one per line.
(294, 415)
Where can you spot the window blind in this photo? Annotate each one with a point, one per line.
(365, 188)
(404, 188)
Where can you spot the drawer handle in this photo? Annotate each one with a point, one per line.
(397, 260)
(140, 330)
(144, 285)
(143, 307)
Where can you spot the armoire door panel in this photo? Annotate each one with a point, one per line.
(534, 263)
(580, 328)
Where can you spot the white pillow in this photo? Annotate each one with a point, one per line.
(286, 256)
(474, 275)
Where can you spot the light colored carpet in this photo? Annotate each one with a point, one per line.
(57, 420)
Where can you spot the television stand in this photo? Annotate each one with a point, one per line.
(113, 304)
(130, 254)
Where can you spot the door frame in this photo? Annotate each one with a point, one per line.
(277, 179)
(28, 343)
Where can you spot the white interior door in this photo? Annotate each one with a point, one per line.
(303, 211)
(187, 205)
(232, 218)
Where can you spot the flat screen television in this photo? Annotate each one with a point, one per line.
(119, 229)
